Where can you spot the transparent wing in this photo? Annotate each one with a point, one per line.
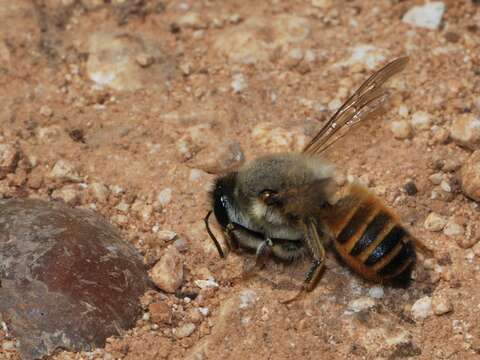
(368, 98)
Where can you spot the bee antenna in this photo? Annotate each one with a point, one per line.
(210, 233)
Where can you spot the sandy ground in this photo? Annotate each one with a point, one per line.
(153, 98)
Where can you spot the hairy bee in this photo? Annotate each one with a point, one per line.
(288, 204)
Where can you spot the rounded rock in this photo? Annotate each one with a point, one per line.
(401, 129)
(65, 171)
(470, 176)
(434, 222)
(422, 308)
(441, 304)
(84, 273)
(167, 273)
(453, 229)
(421, 120)
(184, 331)
(9, 157)
(465, 130)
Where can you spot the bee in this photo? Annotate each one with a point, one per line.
(288, 204)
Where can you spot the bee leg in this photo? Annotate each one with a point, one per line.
(232, 242)
(315, 245)
(262, 251)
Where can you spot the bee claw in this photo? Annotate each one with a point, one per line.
(298, 296)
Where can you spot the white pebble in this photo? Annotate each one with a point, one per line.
(363, 303)
(421, 120)
(206, 284)
(376, 292)
(205, 311)
(401, 129)
(238, 83)
(427, 16)
(453, 229)
(164, 197)
(445, 186)
(422, 308)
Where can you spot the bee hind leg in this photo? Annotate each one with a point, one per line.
(315, 245)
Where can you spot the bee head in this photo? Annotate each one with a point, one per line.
(222, 198)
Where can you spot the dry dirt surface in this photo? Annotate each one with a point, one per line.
(132, 107)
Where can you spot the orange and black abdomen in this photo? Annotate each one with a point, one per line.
(369, 238)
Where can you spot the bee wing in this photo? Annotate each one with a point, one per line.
(368, 98)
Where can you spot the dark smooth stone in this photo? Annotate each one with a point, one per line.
(68, 280)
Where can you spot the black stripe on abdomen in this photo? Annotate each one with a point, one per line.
(405, 255)
(388, 243)
(356, 221)
(371, 233)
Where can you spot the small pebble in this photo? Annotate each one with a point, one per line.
(376, 292)
(64, 170)
(360, 304)
(470, 176)
(445, 186)
(434, 222)
(403, 111)
(184, 331)
(421, 120)
(401, 129)
(9, 157)
(191, 20)
(410, 188)
(204, 311)
(160, 313)
(441, 304)
(167, 274)
(164, 197)
(235, 18)
(99, 191)
(422, 308)
(453, 229)
(46, 111)
(210, 283)
(436, 178)
(238, 83)
(117, 190)
(166, 235)
(68, 194)
(465, 130)
(427, 16)
(122, 206)
(441, 136)
(144, 59)
(181, 244)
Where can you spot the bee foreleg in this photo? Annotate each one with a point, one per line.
(232, 242)
(315, 245)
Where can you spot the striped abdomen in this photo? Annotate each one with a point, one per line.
(369, 238)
